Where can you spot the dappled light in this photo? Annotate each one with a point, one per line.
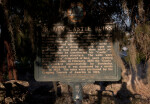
(76, 42)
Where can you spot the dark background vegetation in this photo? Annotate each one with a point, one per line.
(22, 22)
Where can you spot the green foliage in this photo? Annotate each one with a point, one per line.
(140, 58)
(30, 15)
(142, 39)
(142, 29)
(24, 60)
(19, 37)
(127, 58)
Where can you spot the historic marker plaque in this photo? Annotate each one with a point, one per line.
(77, 55)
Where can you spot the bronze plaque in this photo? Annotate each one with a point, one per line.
(77, 54)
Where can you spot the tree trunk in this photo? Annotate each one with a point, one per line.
(5, 35)
(141, 10)
(1, 44)
(1, 59)
(148, 71)
(10, 62)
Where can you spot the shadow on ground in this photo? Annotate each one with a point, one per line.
(32, 92)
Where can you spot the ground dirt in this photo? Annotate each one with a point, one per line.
(32, 92)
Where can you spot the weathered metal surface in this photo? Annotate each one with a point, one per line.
(77, 54)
